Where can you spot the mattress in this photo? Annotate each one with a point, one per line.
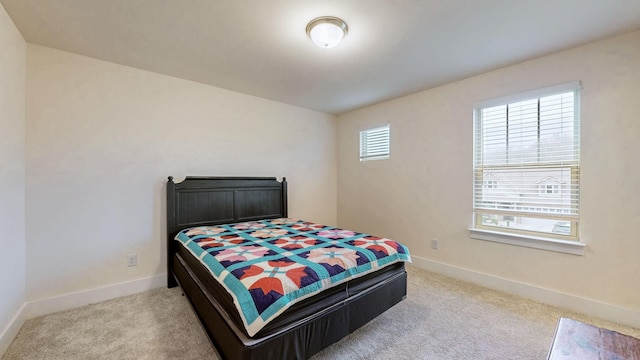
(299, 311)
(304, 308)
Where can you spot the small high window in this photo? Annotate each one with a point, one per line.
(374, 143)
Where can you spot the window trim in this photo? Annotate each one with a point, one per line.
(536, 242)
(560, 243)
(528, 95)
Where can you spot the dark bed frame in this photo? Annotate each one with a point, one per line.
(203, 201)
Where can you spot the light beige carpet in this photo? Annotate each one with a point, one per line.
(441, 318)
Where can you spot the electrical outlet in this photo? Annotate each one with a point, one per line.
(435, 244)
(132, 260)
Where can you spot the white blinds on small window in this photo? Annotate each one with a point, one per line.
(527, 157)
(374, 143)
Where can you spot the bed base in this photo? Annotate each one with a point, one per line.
(299, 341)
(199, 201)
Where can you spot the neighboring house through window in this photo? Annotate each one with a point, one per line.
(550, 186)
(527, 166)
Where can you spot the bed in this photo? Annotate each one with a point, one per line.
(300, 330)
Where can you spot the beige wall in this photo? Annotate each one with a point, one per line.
(424, 190)
(101, 141)
(12, 171)
(102, 138)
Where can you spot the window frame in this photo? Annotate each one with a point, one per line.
(568, 243)
(372, 140)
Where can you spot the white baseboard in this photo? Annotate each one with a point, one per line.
(602, 310)
(73, 300)
(575, 303)
(10, 332)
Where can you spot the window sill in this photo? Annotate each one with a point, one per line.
(563, 246)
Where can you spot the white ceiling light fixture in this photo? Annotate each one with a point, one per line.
(327, 31)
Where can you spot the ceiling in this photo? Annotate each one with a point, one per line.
(260, 48)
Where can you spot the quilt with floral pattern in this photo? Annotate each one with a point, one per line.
(267, 266)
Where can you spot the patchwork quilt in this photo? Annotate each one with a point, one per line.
(267, 266)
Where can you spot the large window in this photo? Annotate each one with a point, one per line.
(527, 163)
(374, 143)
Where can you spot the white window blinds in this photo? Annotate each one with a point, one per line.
(527, 162)
(374, 143)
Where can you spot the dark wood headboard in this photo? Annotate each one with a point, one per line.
(203, 201)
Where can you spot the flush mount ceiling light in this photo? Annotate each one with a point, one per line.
(327, 31)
